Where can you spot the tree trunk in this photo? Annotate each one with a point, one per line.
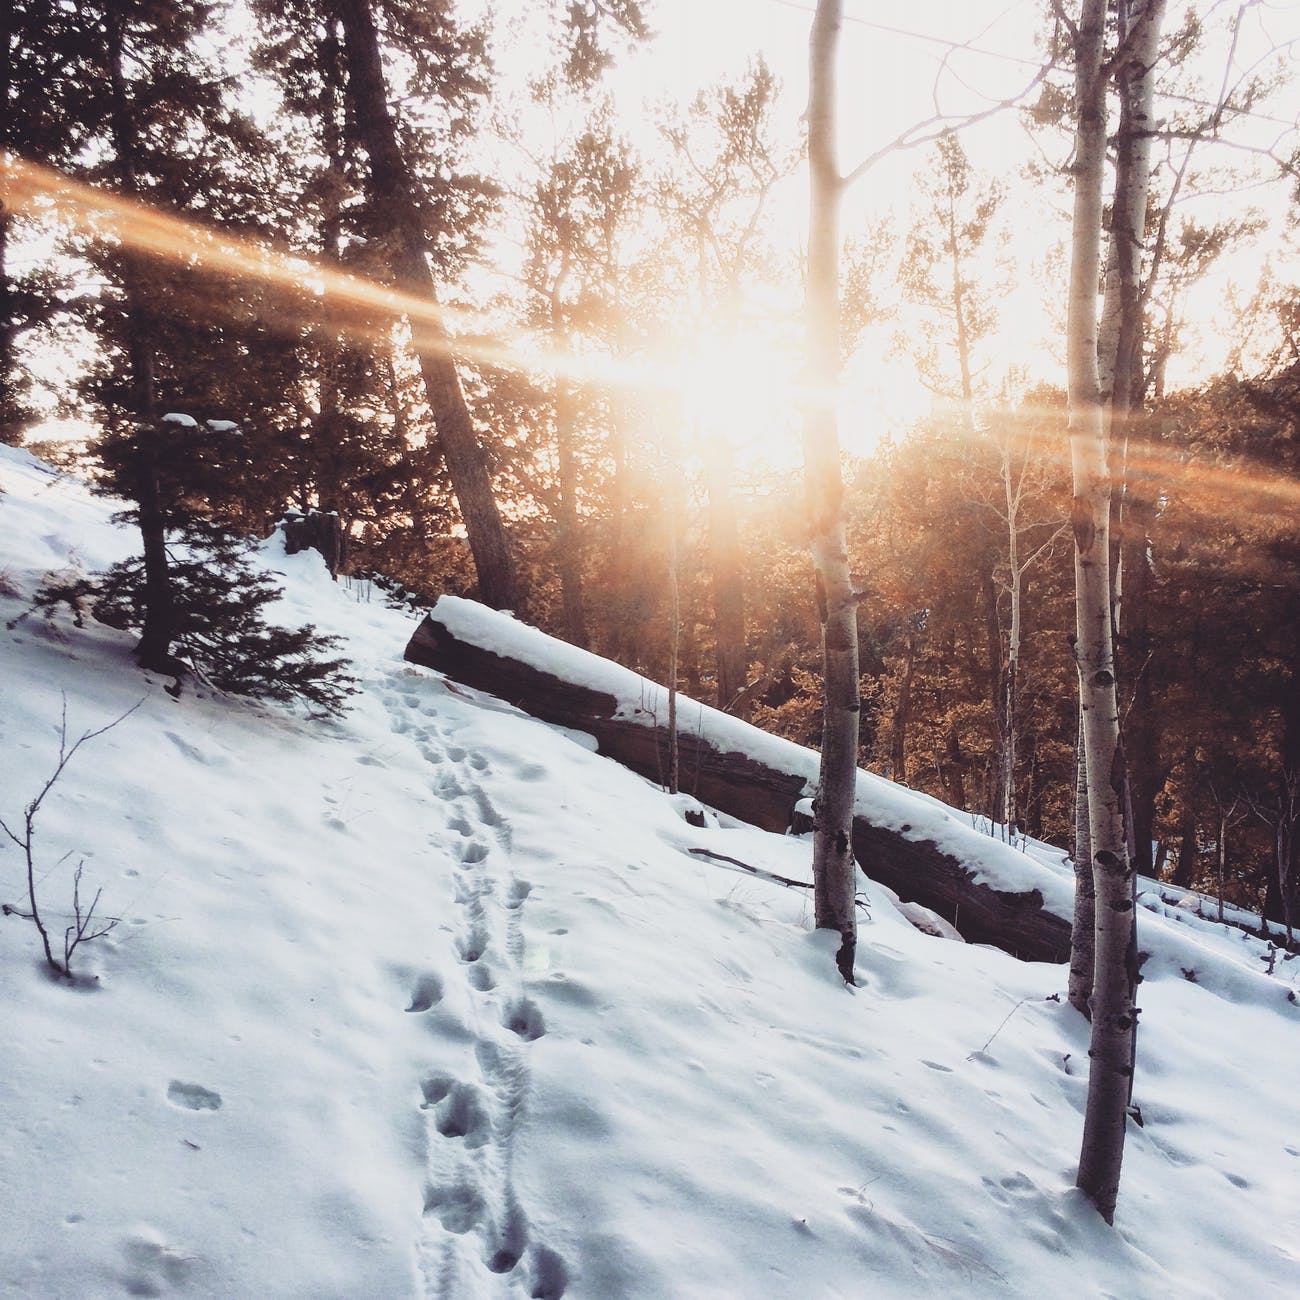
(10, 422)
(1083, 931)
(393, 190)
(1114, 1014)
(10, 427)
(159, 631)
(568, 539)
(833, 867)
(732, 660)
(1140, 740)
(1122, 385)
(902, 713)
(674, 648)
(1185, 871)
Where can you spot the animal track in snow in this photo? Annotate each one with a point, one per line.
(191, 1096)
(462, 1114)
(523, 1018)
(550, 1276)
(458, 1207)
(471, 946)
(473, 852)
(427, 993)
(434, 1089)
(152, 1266)
(475, 1223)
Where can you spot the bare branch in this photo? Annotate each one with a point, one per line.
(942, 125)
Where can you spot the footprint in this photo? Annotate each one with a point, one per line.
(455, 753)
(152, 1266)
(460, 826)
(461, 1114)
(435, 1088)
(481, 977)
(508, 1243)
(458, 1207)
(471, 892)
(515, 895)
(192, 1097)
(531, 772)
(426, 993)
(523, 1017)
(472, 946)
(550, 1276)
(473, 853)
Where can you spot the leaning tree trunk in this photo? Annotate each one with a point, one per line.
(833, 872)
(393, 189)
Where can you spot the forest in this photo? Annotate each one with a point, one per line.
(423, 268)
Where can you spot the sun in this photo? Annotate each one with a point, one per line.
(748, 391)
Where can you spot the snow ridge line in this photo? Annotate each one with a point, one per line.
(477, 1239)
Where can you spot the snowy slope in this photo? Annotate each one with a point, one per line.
(432, 1001)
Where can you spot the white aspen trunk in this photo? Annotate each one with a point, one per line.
(833, 868)
(1121, 374)
(674, 651)
(1114, 1016)
(1007, 759)
(1083, 931)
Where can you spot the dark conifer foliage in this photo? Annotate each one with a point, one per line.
(222, 636)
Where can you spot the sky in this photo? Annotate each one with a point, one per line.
(889, 62)
(431, 1000)
(897, 68)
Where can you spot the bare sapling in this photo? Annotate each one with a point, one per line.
(86, 924)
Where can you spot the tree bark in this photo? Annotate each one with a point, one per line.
(153, 652)
(731, 658)
(1114, 1014)
(1120, 361)
(10, 429)
(1083, 935)
(902, 712)
(833, 866)
(393, 190)
(568, 535)
(755, 777)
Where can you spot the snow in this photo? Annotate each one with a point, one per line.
(179, 417)
(222, 426)
(431, 1000)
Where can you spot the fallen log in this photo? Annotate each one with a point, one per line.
(990, 892)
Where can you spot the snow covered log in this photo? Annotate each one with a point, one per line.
(922, 850)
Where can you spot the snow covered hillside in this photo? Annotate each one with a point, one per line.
(430, 1000)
